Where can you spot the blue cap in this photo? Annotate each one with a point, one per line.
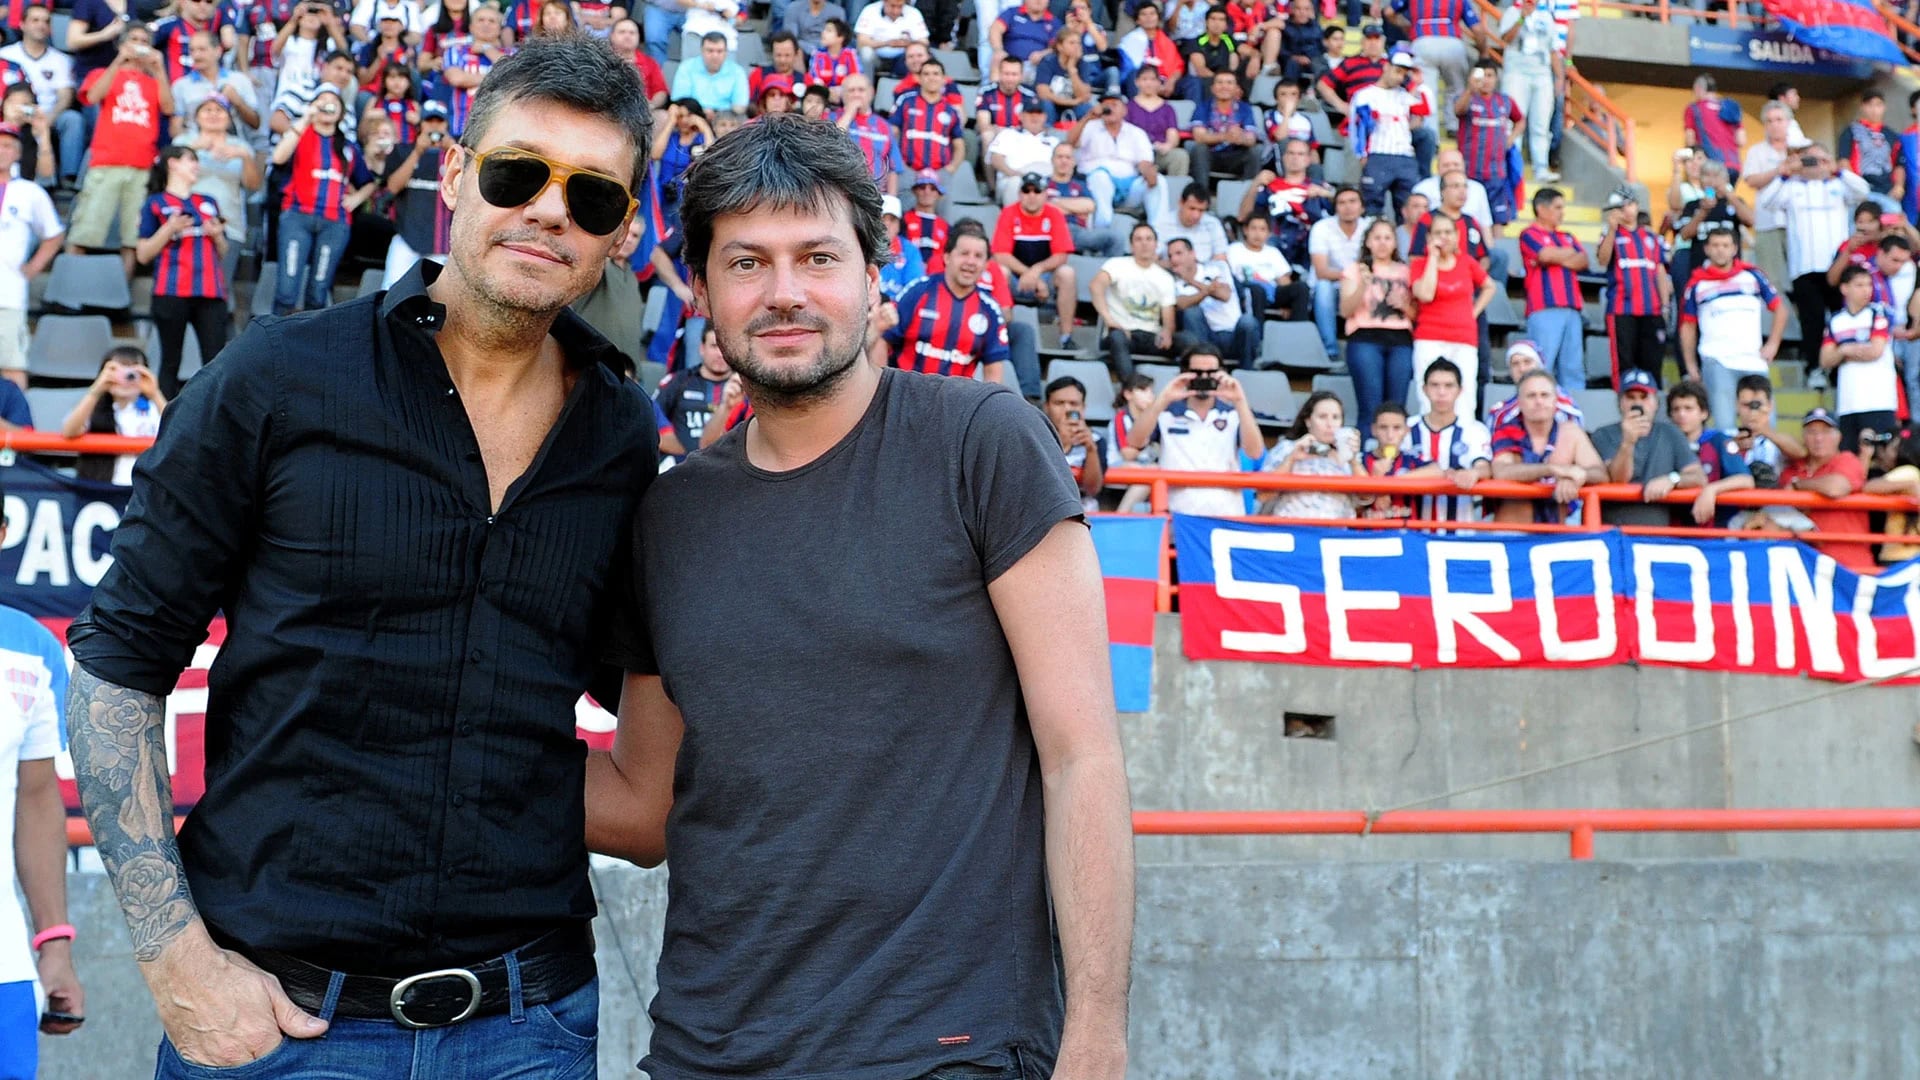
(1636, 379)
(930, 177)
(1818, 415)
(434, 109)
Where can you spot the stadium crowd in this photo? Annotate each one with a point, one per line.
(1150, 186)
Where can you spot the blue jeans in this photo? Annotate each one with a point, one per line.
(19, 1030)
(310, 250)
(1326, 314)
(1386, 175)
(1380, 373)
(1558, 333)
(1426, 143)
(555, 1041)
(660, 26)
(1721, 382)
(1239, 346)
(70, 137)
(1023, 355)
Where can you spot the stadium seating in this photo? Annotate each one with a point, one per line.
(1342, 388)
(1093, 375)
(87, 283)
(1270, 396)
(69, 346)
(1293, 346)
(51, 404)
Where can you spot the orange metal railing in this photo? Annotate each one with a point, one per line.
(1580, 825)
(1906, 32)
(50, 442)
(1160, 483)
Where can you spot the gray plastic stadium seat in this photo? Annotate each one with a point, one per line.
(959, 66)
(1502, 314)
(1161, 374)
(1516, 271)
(963, 188)
(1342, 387)
(1269, 394)
(1085, 268)
(262, 303)
(1599, 360)
(1183, 111)
(1263, 91)
(69, 346)
(649, 373)
(1227, 203)
(81, 282)
(1491, 394)
(369, 283)
(1324, 132)
(655, 310)
(1597, 407)
(50, 405)
(748, 50)
(1293, 346)
(1094, 376)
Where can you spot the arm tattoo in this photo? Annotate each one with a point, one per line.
(120, 766)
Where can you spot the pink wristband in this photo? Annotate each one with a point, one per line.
(53, 933)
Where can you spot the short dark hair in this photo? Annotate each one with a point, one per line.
(1445, 367)
(1707, 83)
(1759, 384)
(713, 37)
(840, 27)
(1854, 272)
(780, 162)
(1389, 408)
(1782, 89)
(779, 36)
(1348, 189)
(1155, 233)
(573, 70)
(1064, 382)
(1219, 10)
(1178, 240)
(1872, 95)
(1867, 210)
(337, 54)
(1195, 189)
(1328, 33)
(933, 62)
(1546, 195)
(1913, 100)
(1014, 59)
(964, 228)
(1895, 242)
(1200, 348)
(1689, 388)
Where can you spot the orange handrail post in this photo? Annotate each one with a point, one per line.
(1906, 27)
(43, 442)
(1582, 842)
(1163, 589)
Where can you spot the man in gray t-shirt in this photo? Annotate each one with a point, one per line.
(871, 722)
(1644, 449)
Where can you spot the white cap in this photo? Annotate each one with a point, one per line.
(889, 204)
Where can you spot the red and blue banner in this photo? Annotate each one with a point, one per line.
(1845, 27)
(1349, 597)
(1129, 550)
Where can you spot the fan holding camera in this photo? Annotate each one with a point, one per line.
(1202, 423)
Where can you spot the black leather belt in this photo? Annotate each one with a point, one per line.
(551, 967)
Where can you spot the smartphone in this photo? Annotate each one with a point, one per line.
(1637, 410)
(1808, 161)
(1890, 220)
(1073, 416)
(53, 1017)
(1204, 382)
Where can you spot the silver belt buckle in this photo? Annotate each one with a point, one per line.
(396, 1001)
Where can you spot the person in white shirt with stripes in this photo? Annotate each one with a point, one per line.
(1816, 207)
(1460, 445)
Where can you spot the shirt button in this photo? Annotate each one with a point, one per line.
(474, 656)
(465, 729)
(449, 391)
(459, 799)
(449, 872)
(489, 519)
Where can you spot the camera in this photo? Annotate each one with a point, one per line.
(130, 375)
(1073, 416)
(1204, 382)
(1808, 161)
(436, 136)
(1318, 448)
(1765, 476)
(1871, 437)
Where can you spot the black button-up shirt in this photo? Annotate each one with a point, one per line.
(393, 778)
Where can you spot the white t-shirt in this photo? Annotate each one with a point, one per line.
(26, 219)
(1901, 285)
(1120, 155)
(135, 423)
(1392, 118)
(1136, 294)
(367, 15)
(1532, 50)
(1221, 315)
(1208, 236)
(33, 665)
(703, 21)
(1762, 158)
(49, 75)
(1191, 442)
(1023, 151)
(1329, 239)
(1477, 206)
(1865, 385)
(1266, 266)
(873, 23)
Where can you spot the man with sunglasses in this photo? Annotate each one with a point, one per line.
(411, 508)
(841, 908)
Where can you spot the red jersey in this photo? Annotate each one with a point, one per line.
(128, 131)
(1449, 315)
(323, 170)
(1855, 557)
(928, 232)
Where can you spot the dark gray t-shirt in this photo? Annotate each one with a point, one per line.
(1664, 450)
(858, 885)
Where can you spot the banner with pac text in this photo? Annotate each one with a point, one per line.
(1351, 597)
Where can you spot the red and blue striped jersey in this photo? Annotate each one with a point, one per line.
(830, 70)
(323, 170)
(943, 334)
(928, 232)
(11, 73)
(1633, 278)
(1548, 286)
(462, 57)
(927, 130)
(190, 263)
(521, 17)
(1472, 240)
(171, 36)
(1003, 109)
(873, 134)
(1438, 18)
(1714, 124)
(405, 116)
(1485, 134)
(258, 20)
(1071, 189)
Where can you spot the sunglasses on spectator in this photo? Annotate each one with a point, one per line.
(511, 178)
(1025, 188)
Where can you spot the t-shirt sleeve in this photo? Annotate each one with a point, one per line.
(13, 406)
(1510, 439)
(1731, 461)
(149, 219)
(1062, 235)
(1606, 442)
(1476, 444)
(1015, 484)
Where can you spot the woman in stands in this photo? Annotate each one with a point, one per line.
(1452, 291)
(304, 42)
(328, 180)
(446, 19)
(184, 238)
(124, 399)
(1376, 298)
(1131, 403)
(556, 19)
(228, 170)
(1319, 444)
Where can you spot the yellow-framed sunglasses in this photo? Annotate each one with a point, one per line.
(510, 177)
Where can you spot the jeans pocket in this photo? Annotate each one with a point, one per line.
(174, 1064)
(574, 1020)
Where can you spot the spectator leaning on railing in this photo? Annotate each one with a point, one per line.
(1319, 444)
(1642, 448)
(1720, 463)
(1459, 446)
(1830, 470)
(1202, 423)
(1539, 447)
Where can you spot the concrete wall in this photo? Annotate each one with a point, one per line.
(1748, 969)
(1215, 742)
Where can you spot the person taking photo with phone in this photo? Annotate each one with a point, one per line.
(1086, 450)
(1202, 423)
(1643, 448)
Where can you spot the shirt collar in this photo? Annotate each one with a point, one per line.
(582, 346)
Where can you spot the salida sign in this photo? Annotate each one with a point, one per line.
(1349, 597)
(1768, 50)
